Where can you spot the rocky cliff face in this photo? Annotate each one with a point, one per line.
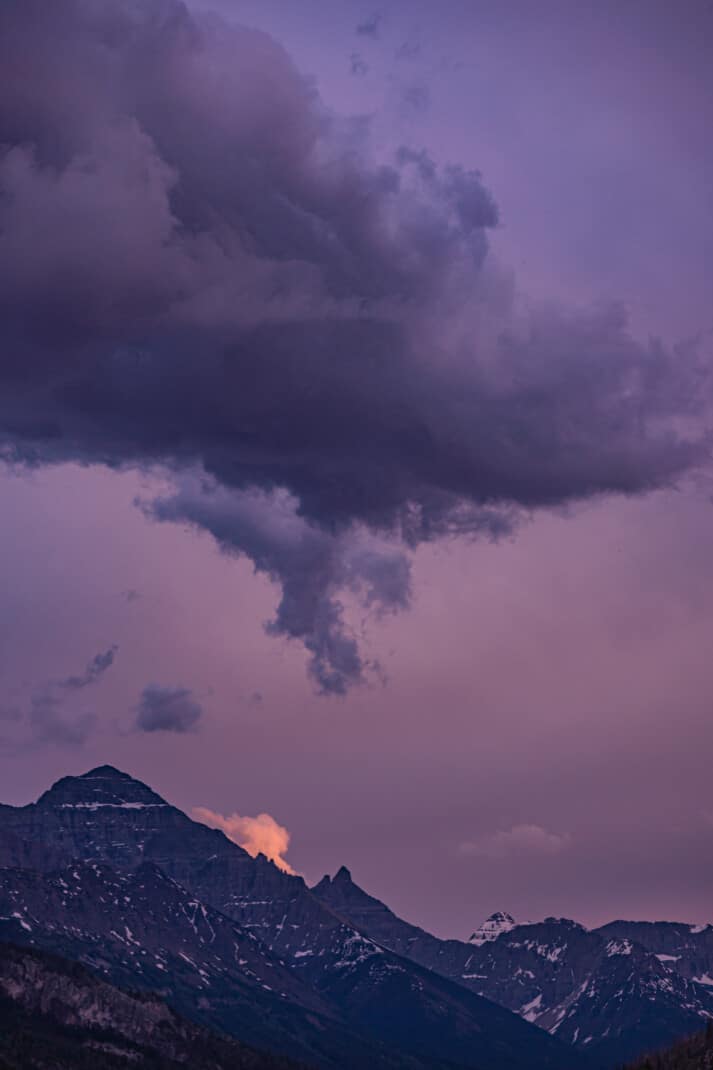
(54, 1013)
(105, 816)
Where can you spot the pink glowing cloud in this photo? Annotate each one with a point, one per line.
(256, 835)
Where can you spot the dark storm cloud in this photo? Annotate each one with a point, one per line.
(310, 565)
(203, 270)
(167, 709)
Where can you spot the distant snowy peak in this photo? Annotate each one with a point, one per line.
(498, 923)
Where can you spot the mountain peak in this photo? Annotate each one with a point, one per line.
(102, 772)
(103, 786)
(341, 881)
(498, 923)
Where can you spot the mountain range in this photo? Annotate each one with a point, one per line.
(103, 872)
(615, 991)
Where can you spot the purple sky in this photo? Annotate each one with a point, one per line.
(445, 460)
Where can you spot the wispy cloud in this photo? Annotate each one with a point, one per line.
(94, 670)
(520, 839)
(45, 717)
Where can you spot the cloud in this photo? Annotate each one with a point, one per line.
(370, 26)
(408, 50)
(94, 670)
(358, 65)
(167, 709)
(48, 725)
(311, 567)
(256, 835)
(417, 97)
(45, 718)
(518, 840)
(206, 272)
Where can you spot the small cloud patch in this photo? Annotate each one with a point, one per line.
(167, 709)
(370, 26)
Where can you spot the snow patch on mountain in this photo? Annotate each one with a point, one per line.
(531, 1010)
(498, 923)
(116, 805)
(619, 947)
